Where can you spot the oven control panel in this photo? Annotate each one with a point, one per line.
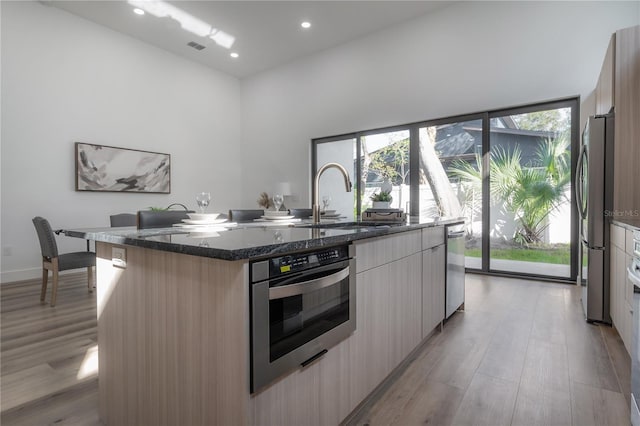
(281, 266)
(301, 262)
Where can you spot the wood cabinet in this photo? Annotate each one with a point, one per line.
(626, 196)
(433, 279)
(174, 336)
(388, 328)
(171, 329)
(621, 289)
(605, 88)
(433, 288)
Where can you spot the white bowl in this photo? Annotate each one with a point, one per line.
(276, 213)
(203, 216)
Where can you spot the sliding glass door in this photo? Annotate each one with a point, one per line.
(451, 178)
(509, 172)
(530, 189)
(332, 194)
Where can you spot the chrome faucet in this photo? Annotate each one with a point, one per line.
(316, 184)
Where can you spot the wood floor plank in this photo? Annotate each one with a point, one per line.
(593, 406)
(558, 352)
(590, 362)
(433, 403)
(546, 366)
(507, 349)
(564, 369)
(620, 359)
(75, 407)
(47, 376)
(537, 406)
(488, 401)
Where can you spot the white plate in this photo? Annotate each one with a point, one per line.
(278, 217)
(275, 213)
(203, 222)
(203, 216)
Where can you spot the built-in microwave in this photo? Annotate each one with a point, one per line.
(301, 305)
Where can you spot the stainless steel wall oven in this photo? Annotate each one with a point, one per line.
(301, 305)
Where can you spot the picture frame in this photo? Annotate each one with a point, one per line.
(103, 168)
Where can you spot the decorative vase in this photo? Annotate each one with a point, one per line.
(381, 204)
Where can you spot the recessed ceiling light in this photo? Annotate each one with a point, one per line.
(138, 11)
(305, 24)
(233, 54)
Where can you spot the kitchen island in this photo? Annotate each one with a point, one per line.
(174, 309)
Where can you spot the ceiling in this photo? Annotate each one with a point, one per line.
(267, 33)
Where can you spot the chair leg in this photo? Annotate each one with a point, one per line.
(45, 280)
(91, 281)
(54, 290)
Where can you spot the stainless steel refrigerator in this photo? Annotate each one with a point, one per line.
(594, 195)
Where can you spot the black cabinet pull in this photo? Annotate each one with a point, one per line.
(313, 358)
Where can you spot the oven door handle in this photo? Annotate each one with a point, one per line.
(633, 277)
(307, 286)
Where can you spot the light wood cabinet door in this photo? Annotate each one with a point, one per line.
(606, 81)
(432, 237)
(374, 252)
(293, 400)
(613, 283)
(406, 306)
(433, 288)
(621, 289)
(388, 328)
(626, 196)
(368, 358)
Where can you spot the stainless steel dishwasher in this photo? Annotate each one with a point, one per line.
(455, 269)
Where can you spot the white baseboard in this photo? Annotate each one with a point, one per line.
(26, 274)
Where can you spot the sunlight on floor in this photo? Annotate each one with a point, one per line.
(89, 366)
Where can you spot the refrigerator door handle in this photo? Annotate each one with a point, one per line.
(578, 183)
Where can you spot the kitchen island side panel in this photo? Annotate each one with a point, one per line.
(172, 338)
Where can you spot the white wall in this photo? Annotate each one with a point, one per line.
(465, 58)
(65, 79)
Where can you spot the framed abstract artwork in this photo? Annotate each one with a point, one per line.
(112, 169)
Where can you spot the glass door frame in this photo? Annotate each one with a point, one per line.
(574, 244)
(414, 176)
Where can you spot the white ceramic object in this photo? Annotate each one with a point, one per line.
(203, 216)
(278, 217)
(381, 204)
(203, 222)
(276, 213)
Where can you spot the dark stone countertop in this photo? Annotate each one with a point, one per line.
(252, 241)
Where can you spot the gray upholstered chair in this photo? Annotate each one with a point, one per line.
(123, 219)
(55, 262)
(301, 213)
(245, 215)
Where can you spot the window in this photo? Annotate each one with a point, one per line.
(509, 172)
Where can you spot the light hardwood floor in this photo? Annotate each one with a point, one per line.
(520, 354)
(49, 355)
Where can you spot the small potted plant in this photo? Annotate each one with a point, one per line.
(381, 200)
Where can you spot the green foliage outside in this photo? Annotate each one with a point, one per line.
(554, 120)
(530, 192)
(559, 255)
(392, 162)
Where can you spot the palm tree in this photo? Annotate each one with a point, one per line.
(530, 192)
